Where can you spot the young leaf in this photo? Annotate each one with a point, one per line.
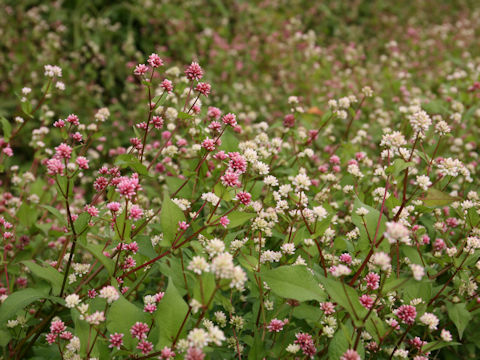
(460, 316)
(293, 282)
(48, 273)
(171, 312)
(437, 198)
(17, 301)
(170, 216)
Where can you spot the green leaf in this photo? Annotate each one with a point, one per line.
(345, 296)
(338, 345)
(437, 198)
(460, 316)
(238, 218)
(438, 345)
(130, 160)
(170, 216)
(27, 215)
(293, 282)
(17, 301)
(371, 221)
(7, 129)
(170, 314)
(48, 273)
(82, 222)
(97, 252)
(122, 315)
(398, 166)
(56, 213)
(184, 116)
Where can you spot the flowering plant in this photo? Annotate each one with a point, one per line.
(347, 229)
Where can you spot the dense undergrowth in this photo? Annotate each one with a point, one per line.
(277, 180)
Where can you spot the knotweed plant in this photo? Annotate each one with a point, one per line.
(345, 230)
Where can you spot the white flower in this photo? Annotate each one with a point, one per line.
(288, 248)
(382, 260)
(198, 265)
(109, 293)
(418, 271)
(102, 114)
(423, 181)
(341, 270)
(429, 319)
(72, 300)
(293, 348)
(396, 232)
(361, 211)
(198, 338)
(52, 71)
(270, 180)
(445, 335)
(222, 266)
(216, 335)
(420, 121)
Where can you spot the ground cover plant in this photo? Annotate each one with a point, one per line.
(233, 180)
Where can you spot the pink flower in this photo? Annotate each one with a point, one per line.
(194, 72)
(150, 308)
(157, 121)
(139, 330)
(113, 206)
(237, 162)
(167, 353)
(366, 301)
(140, 69)
(208, 144)
(224, 221)
(82, 162)
(66, 335)
(406, 313)
(194, 354)
(128, 187)
(116, 340)
(167, 85)
(289, 120)
(59, 123)
(230, 119)
(73, 119)
(182, 225)
(350, 354)
(439, 245)
(63, 151)
(244, 198)
(214, 113)
(155, 61)
(306, 344)
(328, 308)
(275, 325)
(77, 137)
(334, 159)
(8, 151)
(372, 280)
(100, 183)
(92, 210)
(215, 126)
(145, 346)
(230, 178)
(54, 167)
(136, 212)
(203, 88)
(56, 327)
(133, 247)
(346, 258)
(159, 296)
(51, 338)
